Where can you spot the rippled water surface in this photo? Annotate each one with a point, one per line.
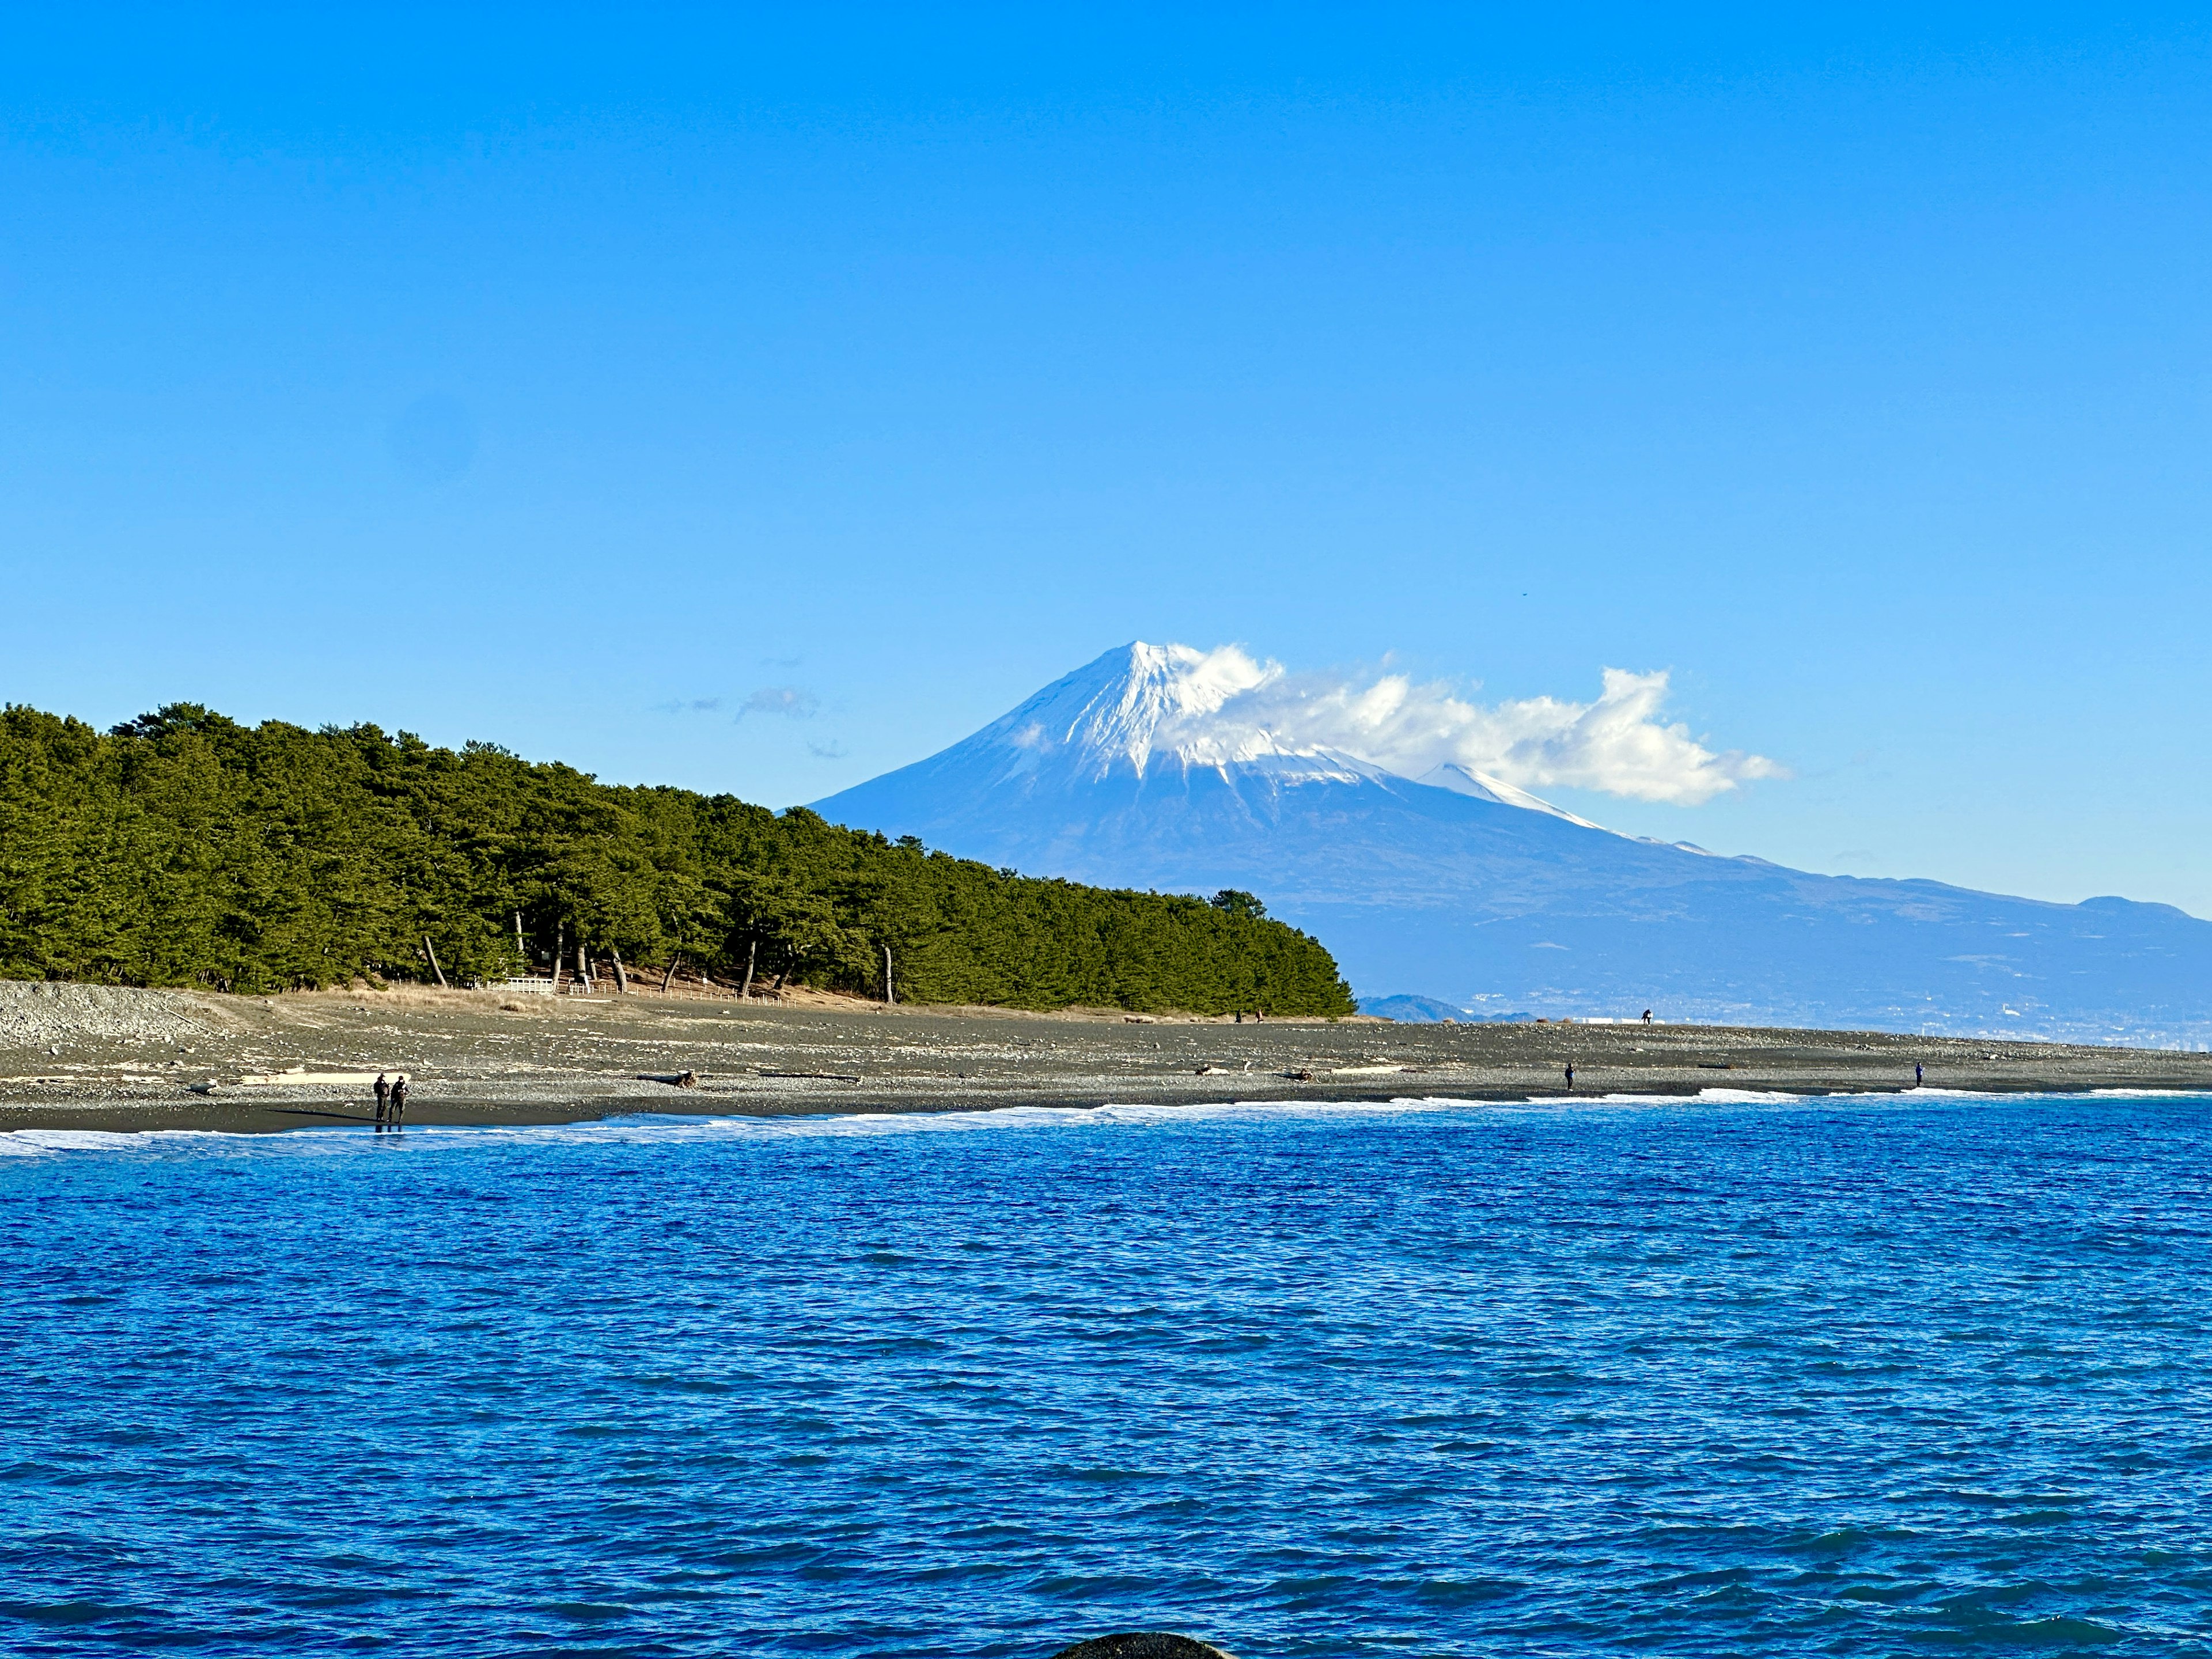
(1865, 1376)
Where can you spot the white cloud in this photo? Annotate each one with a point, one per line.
(791, 701)
(1618, 745)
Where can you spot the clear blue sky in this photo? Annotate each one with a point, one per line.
(538, 376)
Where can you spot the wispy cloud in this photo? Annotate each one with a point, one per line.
(691, 706)
(1618, 744)
(792, 701)
(832, 750)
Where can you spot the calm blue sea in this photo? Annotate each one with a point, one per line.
(1858, 1377)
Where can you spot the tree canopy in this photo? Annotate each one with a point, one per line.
(184, 849)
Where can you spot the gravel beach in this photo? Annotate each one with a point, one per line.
(98, 1057)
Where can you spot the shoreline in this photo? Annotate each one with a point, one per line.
(253, 1120)
(102, 1058)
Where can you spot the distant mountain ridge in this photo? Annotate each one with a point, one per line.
(1464, 888)
(1410, 1010)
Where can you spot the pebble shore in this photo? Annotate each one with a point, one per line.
(118, 1059)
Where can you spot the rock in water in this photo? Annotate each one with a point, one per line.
(1141, 1645)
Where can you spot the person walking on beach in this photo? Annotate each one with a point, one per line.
(1570, 1074)
(399, 1099)
(1647, 1016)
(1916, 1074)
(383, 1097)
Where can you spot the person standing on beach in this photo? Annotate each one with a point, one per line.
(1570, 1074)
(383, 1097)
(1916, 1074)
(399, 1099)
(1647, 1016)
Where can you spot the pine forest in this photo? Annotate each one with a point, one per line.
(185, 849)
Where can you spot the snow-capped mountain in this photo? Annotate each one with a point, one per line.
(1137, 711)
(1461, 887)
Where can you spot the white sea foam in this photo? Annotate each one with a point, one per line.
(1124, 1114)
(673, 1127)
(32, 1143)
(663, 1129)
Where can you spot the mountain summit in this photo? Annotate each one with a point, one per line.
(1464, 888)
(1138, 711)
(1109, 715)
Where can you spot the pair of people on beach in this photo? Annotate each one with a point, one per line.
(391, 1099)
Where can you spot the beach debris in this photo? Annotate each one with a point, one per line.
(1139, 1019)
(1366, 1071)
(827, 1077)
(300, 1077)
(1300, 1075)
(680, 1079)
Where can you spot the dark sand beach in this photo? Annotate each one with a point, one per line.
(104, 1058)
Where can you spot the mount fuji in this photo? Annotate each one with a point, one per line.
(1458, 887)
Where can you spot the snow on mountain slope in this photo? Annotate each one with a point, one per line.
(1480, 786)
(1106, 714)
(1135, 716)
(1468, 889)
